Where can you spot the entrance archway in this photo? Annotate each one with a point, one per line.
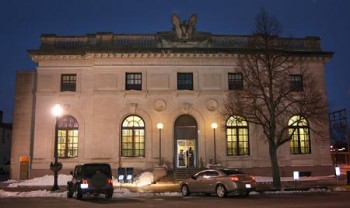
(185, 142)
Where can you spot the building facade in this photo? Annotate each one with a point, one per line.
(116, 90)
(5, 147)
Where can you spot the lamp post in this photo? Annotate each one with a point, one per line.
(160, 127)
(55, 167)
(214, 126)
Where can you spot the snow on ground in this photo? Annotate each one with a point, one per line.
(143, 179)
(262, 179)
(46, 180)
(120, 191)
(39, 193)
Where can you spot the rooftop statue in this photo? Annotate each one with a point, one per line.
(185, 29)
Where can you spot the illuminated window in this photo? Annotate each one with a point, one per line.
(68, 135)
(68, 82)
(235, 81)
(133, 137)
(299, 131)
(133, 81)
(237, 136)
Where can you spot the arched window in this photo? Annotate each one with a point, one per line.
(68, 135)
(133, 137)
(237, 136)
(299, 131)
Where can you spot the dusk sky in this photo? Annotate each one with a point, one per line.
(22, 22)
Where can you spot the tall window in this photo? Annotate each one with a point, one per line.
(235, 81)
(133, 81)
(299, 131)
(184, 81)
(296, 82)
(237, 136)
(68, 82)
(133, 137)
(68, 134)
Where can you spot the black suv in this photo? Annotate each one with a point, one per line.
(91, 178)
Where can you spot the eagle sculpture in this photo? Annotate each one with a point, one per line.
(185, 29)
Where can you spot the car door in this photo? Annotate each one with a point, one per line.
(209, 181)
(204, 181)
(196, 182)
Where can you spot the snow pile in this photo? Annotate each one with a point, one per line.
(9, 181)
(144, 179)
(339, 189)
(40, 193)
(262, 179)
(312, 190)
(46, 180)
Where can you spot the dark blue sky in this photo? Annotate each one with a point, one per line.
(23, 21)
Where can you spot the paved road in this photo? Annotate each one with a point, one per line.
(309, 200)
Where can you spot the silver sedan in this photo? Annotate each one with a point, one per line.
(219, 181)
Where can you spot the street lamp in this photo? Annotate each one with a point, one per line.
(55, 167)
(160, 127)
(214, 126)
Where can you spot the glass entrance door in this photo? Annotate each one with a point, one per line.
(186, 157)
(185, 142)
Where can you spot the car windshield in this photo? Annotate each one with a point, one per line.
(91, 169)
(232, 171)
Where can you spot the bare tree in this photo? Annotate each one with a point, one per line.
(268, 99)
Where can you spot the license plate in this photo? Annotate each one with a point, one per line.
(248, 186)
(84, 185)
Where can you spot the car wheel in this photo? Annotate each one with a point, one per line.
(79, 193)
(109, 195)
(221, 191)
(185, 190)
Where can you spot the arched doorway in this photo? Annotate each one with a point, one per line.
(185, 142)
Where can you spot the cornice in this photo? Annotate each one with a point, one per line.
(165, 57)
(101, 56)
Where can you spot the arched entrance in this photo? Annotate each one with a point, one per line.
(185, 142)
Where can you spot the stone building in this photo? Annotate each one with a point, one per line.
(5, 147)
(116, 88)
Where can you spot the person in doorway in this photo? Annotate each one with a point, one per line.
(190, 157)
(181, 158)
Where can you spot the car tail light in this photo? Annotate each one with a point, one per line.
(110, 181)
(234, 178)
(84, 184)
